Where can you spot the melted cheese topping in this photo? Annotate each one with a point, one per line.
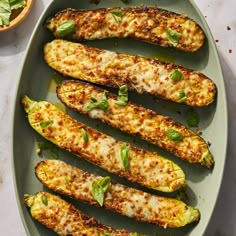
(104, 150)
(65, 219)
(136, 120)
(127, 201)
(141, 74)
(148, 24)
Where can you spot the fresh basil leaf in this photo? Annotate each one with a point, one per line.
(44, 200)
(117, 14)
(124, 153)
(66, 28)
(15, 4)
(46, 124)
(174, 135)
(182, 96)
(5, 12)
(105, 183)
(46, 146)
(124, 1)
(85, 135)
(103, 104)
(173, 36)
(122, 96)
(99, 188)
(176, 75)
(192, 118)
(43, 146)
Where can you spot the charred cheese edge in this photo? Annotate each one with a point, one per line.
(137, 120)
(144, 75)
(73, 182)
(146, 168)
(64, 219)
(143, 23)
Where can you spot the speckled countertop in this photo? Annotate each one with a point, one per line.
(220, 16)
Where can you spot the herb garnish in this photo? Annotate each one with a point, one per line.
(117, 14)
(182, 96)
(174, 135)
(84, 135)
(103, 104)
(41, 146)
(122, 96)
(192, 118)
(124, 153)
(176, 75)
(99, 188)
(44, 200)
(66, 28)
(6, 8)
(46, 124)
(173, 36)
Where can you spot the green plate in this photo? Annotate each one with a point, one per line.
(38, 81)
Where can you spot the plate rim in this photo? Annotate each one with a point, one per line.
(15, 101)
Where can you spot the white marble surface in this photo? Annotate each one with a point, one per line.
(219, 15)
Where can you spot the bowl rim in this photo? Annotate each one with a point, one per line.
(22, 15)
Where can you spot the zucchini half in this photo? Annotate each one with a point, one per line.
(130, 202)
(64, 219)
(137, 120)
(143, 75)
(150, 24)
(137, 165)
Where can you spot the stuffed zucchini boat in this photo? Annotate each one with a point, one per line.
(130, 202)
(143, 75)
(64, 219)
(137, 165)
(150, 24)
(136, 120)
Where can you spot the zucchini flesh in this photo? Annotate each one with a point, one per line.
(144, 75)
(137, 120)
(76, 183)
(64, 219)
(146, 168)
(149, 24)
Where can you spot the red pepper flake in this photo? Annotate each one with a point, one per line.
(217, 40)
(199, 132)
(228, 28)
(209, 143)
(230, 50)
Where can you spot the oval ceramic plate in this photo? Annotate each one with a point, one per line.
(38, 81)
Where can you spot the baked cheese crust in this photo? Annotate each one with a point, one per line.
(143, 75)
(75, 183)
(136, 120)
(63, 218)
(146, 168)
(143, 23)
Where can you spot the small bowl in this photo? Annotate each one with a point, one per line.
(18, 16)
